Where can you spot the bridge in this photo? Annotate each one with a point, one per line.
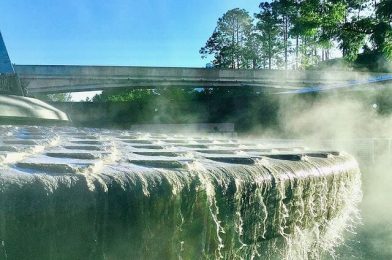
(67, 78)
(41, 79)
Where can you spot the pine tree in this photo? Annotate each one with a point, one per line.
(270, 35)
(228, 43)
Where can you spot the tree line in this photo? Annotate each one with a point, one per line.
(297, 34)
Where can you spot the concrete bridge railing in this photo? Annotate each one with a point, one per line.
(63, 78)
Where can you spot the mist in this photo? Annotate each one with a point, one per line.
(349, 123)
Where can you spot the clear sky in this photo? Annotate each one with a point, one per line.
(112, 32)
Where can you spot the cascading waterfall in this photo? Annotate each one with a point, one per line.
(100, 194)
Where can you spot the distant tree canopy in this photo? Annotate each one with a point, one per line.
(246, 107)
(59, 97)
(228, 43)
(121, 95)
(299, 34)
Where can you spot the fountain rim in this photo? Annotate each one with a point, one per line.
(26, 110)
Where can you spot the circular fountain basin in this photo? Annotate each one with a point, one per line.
(79, 193)
(19, 109)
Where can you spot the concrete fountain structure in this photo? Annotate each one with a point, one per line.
(14, 106)
(70, 193)
(82, 193)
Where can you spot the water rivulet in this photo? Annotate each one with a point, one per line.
(69, 193)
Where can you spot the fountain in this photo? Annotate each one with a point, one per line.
(83, 193)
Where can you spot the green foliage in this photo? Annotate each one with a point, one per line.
(384, 10)
(352, 24)
(245, 107)
(387, 48)
(58, 97)
(229, 41)
(120, 95)
(383, 100)
(350, 43)
(300, 34)
(383, 31)
(270, 32)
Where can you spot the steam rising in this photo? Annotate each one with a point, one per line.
(335, 117)
(349, 121)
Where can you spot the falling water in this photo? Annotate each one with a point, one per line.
(69, 193)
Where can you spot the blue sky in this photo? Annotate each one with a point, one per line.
(115, 32)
